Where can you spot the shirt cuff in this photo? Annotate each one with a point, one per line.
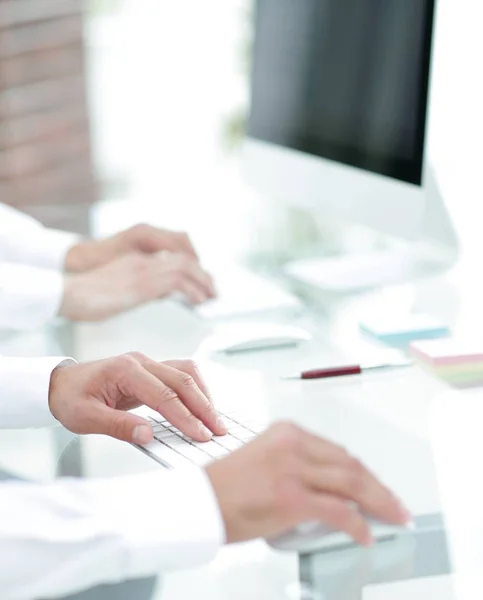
(29, 297)
(52, 251)
(186, 532)
(24, 387)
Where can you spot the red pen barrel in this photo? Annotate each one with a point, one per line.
(332, 372)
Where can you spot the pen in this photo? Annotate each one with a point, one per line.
(343, 371)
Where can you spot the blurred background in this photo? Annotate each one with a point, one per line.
(119, 111)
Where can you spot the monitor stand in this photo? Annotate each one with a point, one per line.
(434, 252)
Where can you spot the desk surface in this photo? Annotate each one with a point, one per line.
(396, 422)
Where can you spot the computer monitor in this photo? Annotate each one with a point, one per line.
(340, 105)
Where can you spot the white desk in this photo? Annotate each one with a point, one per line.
(392, 420)
(383, 418)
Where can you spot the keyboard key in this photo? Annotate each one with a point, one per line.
(158, 419)
(211, 448)
(173, 448)
(242, 433)
(158, 428)
(168, 438)
(165, 455)
(195, 455)
(228, 442)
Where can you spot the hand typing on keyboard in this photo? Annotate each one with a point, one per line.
(93, 398)
(265, 484)
(288, 476)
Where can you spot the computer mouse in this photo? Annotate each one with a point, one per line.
(253, 337)
(314, 536)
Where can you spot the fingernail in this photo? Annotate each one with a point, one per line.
(142, 434)
(221, 423)
(368, 541)
(205, 432)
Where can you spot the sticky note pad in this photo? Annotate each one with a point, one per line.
(398, 330)
(458, 362)
(449, 352)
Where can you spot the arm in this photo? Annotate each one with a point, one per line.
(74, 534)
(24, 240)
(31, 262)
(24, 389)
(70, 535)
(29, 296)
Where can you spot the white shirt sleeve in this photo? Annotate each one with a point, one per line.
(60, 538)
(25, 240)
(29, 296)
(74, 534)
(32, 259)
(24, 392)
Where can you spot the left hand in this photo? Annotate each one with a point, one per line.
(93, 397)
(90, 254)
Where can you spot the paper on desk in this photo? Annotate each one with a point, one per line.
(466, 586)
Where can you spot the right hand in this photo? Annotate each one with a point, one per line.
(132, 280)
(288, 476)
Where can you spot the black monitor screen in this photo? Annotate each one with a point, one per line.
(346, 80)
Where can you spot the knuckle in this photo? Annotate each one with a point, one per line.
(190, 366)
(138, 356)
(124, 362)
(187, 381)
(140, 229)
(117, 426)
(167, 395)
(287, 436)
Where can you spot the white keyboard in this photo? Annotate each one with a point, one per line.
(242, 292)
(172, 448)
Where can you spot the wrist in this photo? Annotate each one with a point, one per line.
(77, 258)
(56, 379)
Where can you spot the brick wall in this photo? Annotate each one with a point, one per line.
(45, 155)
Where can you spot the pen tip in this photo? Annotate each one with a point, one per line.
(290, 377)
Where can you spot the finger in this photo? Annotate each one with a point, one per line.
(152, 239)
(183, 274)
(197, 275)
(194, 293)
(149, 382)
(190, 367)
(174, 241)
(339, 516)
(360, 486)
(186, 388)
(151, 390)
(182, 243)
(102, 419)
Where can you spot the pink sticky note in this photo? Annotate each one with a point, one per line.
(448, 351)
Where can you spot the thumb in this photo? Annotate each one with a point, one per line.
(120, 425)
